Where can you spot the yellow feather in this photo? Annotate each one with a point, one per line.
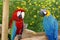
(18, 7)
(48, 13)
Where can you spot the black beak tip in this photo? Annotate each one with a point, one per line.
(20, 16)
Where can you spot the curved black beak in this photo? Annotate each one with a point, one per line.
(42, 12)
(20, 16)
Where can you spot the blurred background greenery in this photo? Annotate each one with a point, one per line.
(32, 8)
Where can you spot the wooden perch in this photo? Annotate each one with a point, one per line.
(31, 35)
(5, 19)
(36, 38)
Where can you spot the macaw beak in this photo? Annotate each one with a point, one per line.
(20, 15)
(43, 13)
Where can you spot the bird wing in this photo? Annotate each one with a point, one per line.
(55, 28)
(13, 30)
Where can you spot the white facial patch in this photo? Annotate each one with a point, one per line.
(23, 14)
(44, 12)
(18, 13)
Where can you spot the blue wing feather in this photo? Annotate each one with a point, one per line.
(13, 31)
(56, 29)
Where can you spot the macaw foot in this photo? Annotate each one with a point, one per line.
(18, 37)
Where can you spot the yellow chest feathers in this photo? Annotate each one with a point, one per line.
(48, 13)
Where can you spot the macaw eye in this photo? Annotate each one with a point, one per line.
(23, 14)
(44, 12)
(18, 13)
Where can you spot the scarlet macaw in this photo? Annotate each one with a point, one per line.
(17, 23)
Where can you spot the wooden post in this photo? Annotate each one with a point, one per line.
(5, 19)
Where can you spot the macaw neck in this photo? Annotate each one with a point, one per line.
(18, 19)
(21, 19)
(48, 14)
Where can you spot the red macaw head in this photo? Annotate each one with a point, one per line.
(19, 14)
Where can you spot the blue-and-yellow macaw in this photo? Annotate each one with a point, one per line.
(50, 25)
